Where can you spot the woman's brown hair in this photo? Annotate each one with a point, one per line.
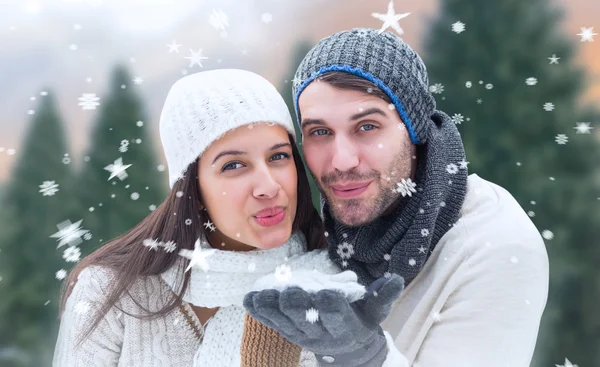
(127, 256)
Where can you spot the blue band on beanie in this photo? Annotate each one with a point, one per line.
(366, 75)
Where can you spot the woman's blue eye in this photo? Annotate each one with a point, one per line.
(371, 125)
(283, 155)
(229, 165)
(314, 132)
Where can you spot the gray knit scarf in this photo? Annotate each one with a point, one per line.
(412, 231)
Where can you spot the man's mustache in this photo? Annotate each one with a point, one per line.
(353, 175)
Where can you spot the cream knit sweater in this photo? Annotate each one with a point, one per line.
(178, 339)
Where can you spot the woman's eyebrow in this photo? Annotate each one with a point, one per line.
(239, 152)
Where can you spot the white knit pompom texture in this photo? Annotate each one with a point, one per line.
(200, 108)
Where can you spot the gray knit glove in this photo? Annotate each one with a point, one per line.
(345, 334)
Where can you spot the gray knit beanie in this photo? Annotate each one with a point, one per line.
(382, 58)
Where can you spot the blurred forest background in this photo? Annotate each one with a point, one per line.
(518, 80)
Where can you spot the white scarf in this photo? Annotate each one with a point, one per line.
(225, 277)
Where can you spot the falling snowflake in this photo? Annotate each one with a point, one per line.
(173, 47)
(423, 250)
(458, 27)
(387, 257)
(452, 168)
(283, 273)
(390, 19)
(188, 222)
(61, 274)
(151, 244)
(531, 213)
(567, 364)
(170, 246)
(196, 57)
(198, 256)
(252, 267)
(137, 80)
(266, 18)
(66, 159)
(219, 20)
(468, 84)
(72, 254)
(49, 188)
(345, 250)
(124, 146)
(437, 317)
(583, 128)
(587, 34)
(562, 139)
(458, 118)
(117, 169)
(87, 236)
(82, 307)
(405, 187)
(69, 233)
(548, 235)
(89, 101)
(312, 315)
(437, 88)
(553, 59)
(210, 225)
(424, 232)
(412, 262)
(531, 81)
(549, 106)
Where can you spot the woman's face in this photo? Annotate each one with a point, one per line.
(248, 184)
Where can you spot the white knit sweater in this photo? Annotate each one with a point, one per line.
(173, 340)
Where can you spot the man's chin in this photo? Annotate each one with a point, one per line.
(355, 218)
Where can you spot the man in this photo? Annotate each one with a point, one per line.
(397, 200)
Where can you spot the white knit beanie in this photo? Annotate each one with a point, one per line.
(200, 108)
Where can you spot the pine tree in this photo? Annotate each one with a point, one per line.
(29, 260)
(485, 80)
(285, 90)
(111, 207)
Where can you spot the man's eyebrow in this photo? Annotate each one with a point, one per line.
(239, 152)
(308, 121)
(368, 112)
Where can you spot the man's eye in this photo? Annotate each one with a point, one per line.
(316, 132)
(368, 127)
(230, 165)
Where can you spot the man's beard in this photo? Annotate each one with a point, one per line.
(364, 210)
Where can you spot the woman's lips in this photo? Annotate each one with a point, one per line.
(270, 216)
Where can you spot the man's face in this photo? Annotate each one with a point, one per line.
(357, 148)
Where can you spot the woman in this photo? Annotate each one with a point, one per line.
(239, 209)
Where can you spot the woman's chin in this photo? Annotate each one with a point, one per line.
(274, 239)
